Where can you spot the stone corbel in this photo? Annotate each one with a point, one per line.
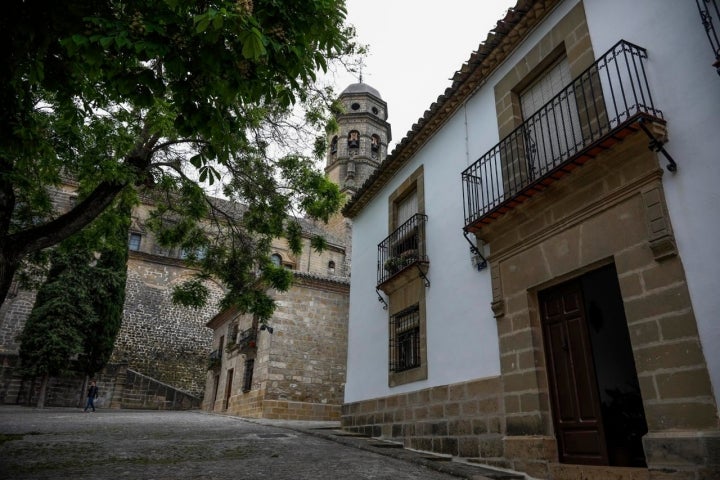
(498, 308)
(660, 235)
(498, 303)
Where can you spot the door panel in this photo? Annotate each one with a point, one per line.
(571, 377)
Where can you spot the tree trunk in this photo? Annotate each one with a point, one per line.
(43, 391)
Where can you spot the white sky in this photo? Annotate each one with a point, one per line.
(416, 46)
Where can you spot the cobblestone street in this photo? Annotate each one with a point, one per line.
(65, 443)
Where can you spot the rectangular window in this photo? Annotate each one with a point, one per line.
(405, 339)
(552, 125)
(406, 208)
(134, 243)
(247, 380)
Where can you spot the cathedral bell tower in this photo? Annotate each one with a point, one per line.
(360, 144)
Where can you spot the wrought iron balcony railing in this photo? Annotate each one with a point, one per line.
(568, 130)
(402, 248)
(247, 339)
(710, 12)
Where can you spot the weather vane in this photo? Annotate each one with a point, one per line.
(361, 64)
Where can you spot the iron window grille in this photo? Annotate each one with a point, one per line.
(405, 340)
(247, 377)
(607, 96)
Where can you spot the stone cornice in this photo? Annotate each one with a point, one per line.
(499, 44)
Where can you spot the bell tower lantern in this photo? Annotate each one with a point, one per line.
(360, 143)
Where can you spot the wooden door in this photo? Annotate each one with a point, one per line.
(571, 377)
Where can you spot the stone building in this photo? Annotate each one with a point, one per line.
(543, 244)
(294, 366)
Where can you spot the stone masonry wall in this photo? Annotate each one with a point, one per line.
(13, 313)
(299, 369)
(463, 419)
(309, 346)
(159, 339)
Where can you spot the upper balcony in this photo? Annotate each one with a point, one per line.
(402, 249)
(604, 104)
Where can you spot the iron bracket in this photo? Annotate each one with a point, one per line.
(422, 274)
(381, 299)
(476, 251)
(656, 145)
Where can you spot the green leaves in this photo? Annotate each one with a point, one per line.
(191, 294)
(252, 41)
(153, 95)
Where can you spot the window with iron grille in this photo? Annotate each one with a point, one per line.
(247, 379)
(405, 339)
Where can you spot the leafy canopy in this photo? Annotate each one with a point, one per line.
(169, 97)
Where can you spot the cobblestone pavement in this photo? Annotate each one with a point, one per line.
(65, 443)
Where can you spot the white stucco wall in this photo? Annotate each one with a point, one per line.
(687, 89)
(462, 334)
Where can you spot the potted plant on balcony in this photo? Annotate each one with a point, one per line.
(395, 264)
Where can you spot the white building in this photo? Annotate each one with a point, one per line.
(592, 336)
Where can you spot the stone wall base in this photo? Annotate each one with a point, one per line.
(253, 404)
(560, 471)
(462, 419)
(681, 455)
(120, 387)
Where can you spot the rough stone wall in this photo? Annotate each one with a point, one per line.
(13, 313)
(159, 339)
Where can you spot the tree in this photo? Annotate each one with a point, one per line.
(53, 331)
(168, 96)
(78, 309)
(107, 290)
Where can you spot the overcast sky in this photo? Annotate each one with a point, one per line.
(415, 49)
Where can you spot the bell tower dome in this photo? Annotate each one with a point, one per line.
(360, 143)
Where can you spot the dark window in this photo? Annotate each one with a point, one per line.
(247, 380)
(276, 259)
(355, 106)
(405, 340)
(196, 254)
(374, 143)
(232, 333)
(134, 243)
(334, 144)
(331, 267)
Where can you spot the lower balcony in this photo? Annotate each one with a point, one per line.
(402, 250)
(603, 105)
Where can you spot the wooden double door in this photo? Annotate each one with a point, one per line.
(596, 403)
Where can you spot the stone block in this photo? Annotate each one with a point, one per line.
(684, 353)
(468, 447)
(687, 415)
(684, 384)
(669, 450)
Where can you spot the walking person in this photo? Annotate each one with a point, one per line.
(92, 394)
